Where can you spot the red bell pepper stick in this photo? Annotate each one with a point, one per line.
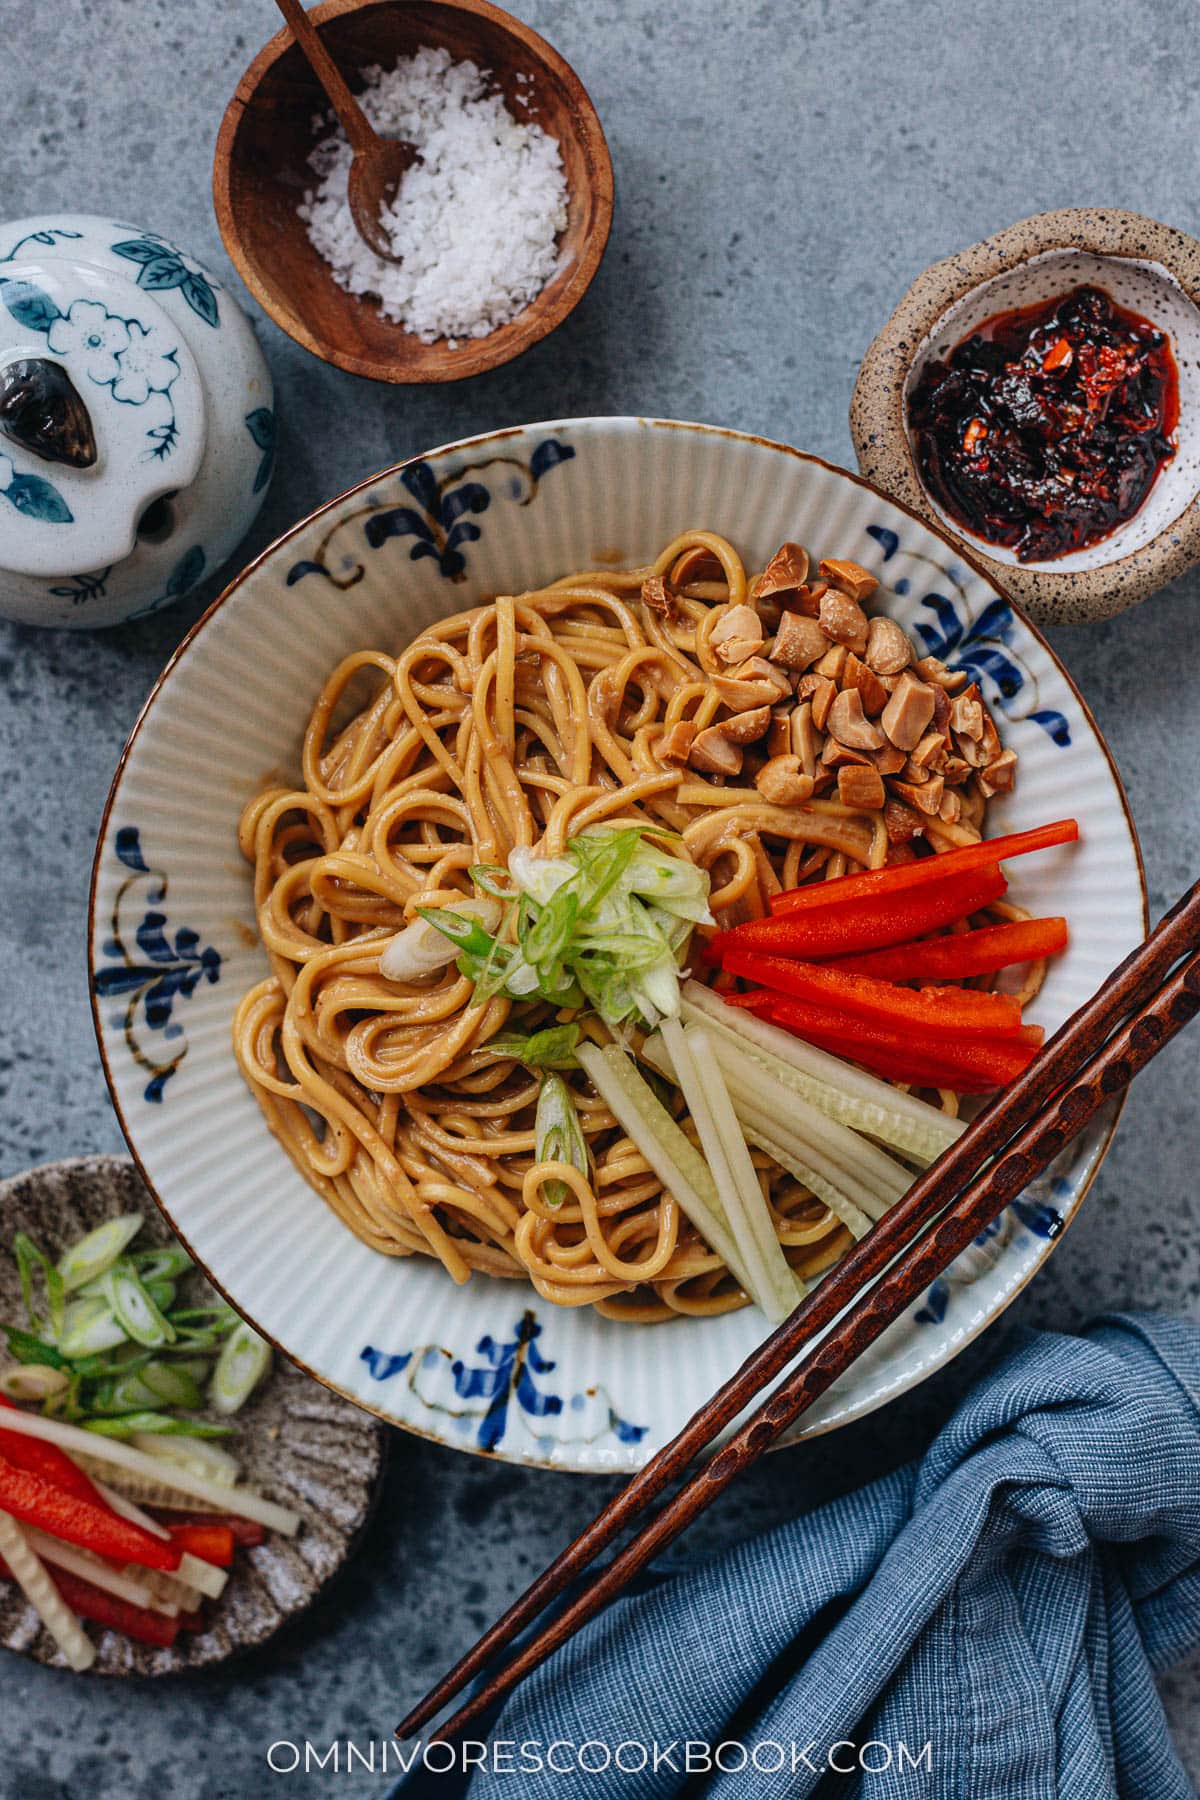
(903, 878)
(867, 924)
(247, 1533)
(103, 1608)
(972, 1065)
(961, 953)
(952, 1010)
(211, 1543)
(37, 1501)
(48, 1461)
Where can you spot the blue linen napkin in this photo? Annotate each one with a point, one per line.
(1005, 1601)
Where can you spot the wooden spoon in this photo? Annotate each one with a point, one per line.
(380, 164)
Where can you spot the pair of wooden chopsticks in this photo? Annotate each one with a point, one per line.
(1086, 1064)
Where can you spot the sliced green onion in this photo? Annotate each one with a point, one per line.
(33, 1382)
(492, 879)
(135, 1307)
(31, 1258)
(121, 1361)
(559, 1135)
(169, 1263)
(170, 1384)
(552, 1048)
(241, 1365)
(90, 1326)
(94, 1254)
(29, 1349)
(127, 1394)
(146, 1424)
(162, 1293)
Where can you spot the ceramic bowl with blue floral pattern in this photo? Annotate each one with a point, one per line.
(489, 1366)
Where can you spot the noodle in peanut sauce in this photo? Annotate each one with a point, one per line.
(522, 722)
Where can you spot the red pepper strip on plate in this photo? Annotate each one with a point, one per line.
(954, 1010)
(103, 1608)
(247, 1533)
(906, 876)
(212, 1543)
(48, 1461)
(38, 1501)
(961, 953)
(968, 1065)
(866, 924)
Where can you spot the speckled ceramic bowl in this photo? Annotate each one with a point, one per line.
(1151, 269)
(297, 1443)
(490, 1366)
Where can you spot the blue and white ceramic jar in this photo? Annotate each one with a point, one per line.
(137, 424)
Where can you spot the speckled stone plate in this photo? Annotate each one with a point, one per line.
(297, 1443)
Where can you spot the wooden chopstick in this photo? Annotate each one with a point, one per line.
(1152, 1013)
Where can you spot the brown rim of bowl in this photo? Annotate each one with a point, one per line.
(189, 638)
(877, 415)
(475, 356)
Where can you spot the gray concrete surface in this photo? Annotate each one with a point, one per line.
(783, 171)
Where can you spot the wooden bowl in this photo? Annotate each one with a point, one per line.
(261, 173)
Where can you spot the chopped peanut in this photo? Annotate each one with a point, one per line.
(779, 732)
(927, 797)
(785, 573)
(850, 577)
(658, 597)
(714, 754)
(860, 787)
(833, 663)
(783, 782)
(932, 668)
(966, 714)
(745, 727)
(674, 747)
(737, 634)
(822, 695)
(806, 743)
(888, 760)
(836, 756)
(850, 726)
(843, 619)
(1000, 776)
(901, 822)
(859, 675)
(888, 648)
(752, 683)
(931, 748)
(799, 642)
(908, 712)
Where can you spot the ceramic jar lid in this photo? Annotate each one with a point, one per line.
(137, 421)
(102, 413)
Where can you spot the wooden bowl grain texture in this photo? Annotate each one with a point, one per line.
(297, 1443)
(261, 174)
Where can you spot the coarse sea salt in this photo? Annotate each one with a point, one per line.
(476, 220)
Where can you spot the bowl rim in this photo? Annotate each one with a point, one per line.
(877, 407)
(476, 355)
(501, 435)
